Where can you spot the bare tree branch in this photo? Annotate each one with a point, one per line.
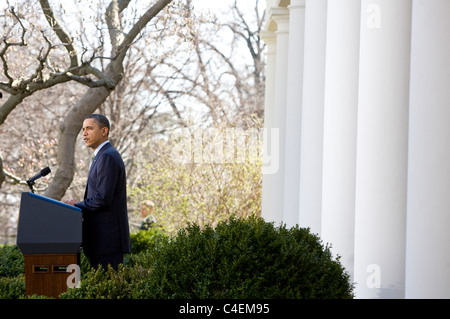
(140, 24)
(92, 100)
(62, 34)
(113, 22)
(8, 44)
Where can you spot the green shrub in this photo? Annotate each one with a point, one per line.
(12, 287)
(110, 284)
(239, 258)
(144, 240)
(107, 284)
(244, 259)
(11, 261)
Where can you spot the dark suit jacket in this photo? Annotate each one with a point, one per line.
(105, 216)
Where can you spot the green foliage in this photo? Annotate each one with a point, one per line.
(203, 192)
(12, 287)
(107, 284)
(11, 261)
(144, 240)
(244, 259)
(239, 258)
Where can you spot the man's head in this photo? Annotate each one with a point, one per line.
(95, 130)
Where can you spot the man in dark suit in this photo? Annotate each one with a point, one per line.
(106, 236)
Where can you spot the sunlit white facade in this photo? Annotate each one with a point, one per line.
(359, 91)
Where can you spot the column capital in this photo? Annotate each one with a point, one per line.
(276, 16)
(281, 18)
(270, 39)
(267, 36)
(295, 4)
(278, 12)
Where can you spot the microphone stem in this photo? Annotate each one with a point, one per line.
(31, 186)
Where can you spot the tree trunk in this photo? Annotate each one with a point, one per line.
(70, 130)
(94, 97)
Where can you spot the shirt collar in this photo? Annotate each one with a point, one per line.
(99, 147)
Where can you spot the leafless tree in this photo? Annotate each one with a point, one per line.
(45, 74)
(213, 74)
(177, 62)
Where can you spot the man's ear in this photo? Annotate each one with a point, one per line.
(105, 131)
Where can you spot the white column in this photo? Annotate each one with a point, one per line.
(281, 18)
(428, 217)
(310, 197)
(294, 111)
(340, 113)
(269, 110)
(382, 149)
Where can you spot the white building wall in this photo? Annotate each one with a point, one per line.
(382, 148)
(280, 17)
(294, 96)
(269, 114)
(340, 114)
(428, 220)
(371, 171)
(311, 159)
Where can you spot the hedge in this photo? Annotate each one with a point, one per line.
(239, 258)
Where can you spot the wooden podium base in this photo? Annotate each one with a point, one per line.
(46, 274)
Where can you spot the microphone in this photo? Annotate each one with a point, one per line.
(43, 172)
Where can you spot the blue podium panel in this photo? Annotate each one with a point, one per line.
(47, 226)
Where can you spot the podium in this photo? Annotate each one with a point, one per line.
(49, 237)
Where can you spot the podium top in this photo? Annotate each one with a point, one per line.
(52, 201)
(47, 226)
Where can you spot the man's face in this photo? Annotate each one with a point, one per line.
(93, 135)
